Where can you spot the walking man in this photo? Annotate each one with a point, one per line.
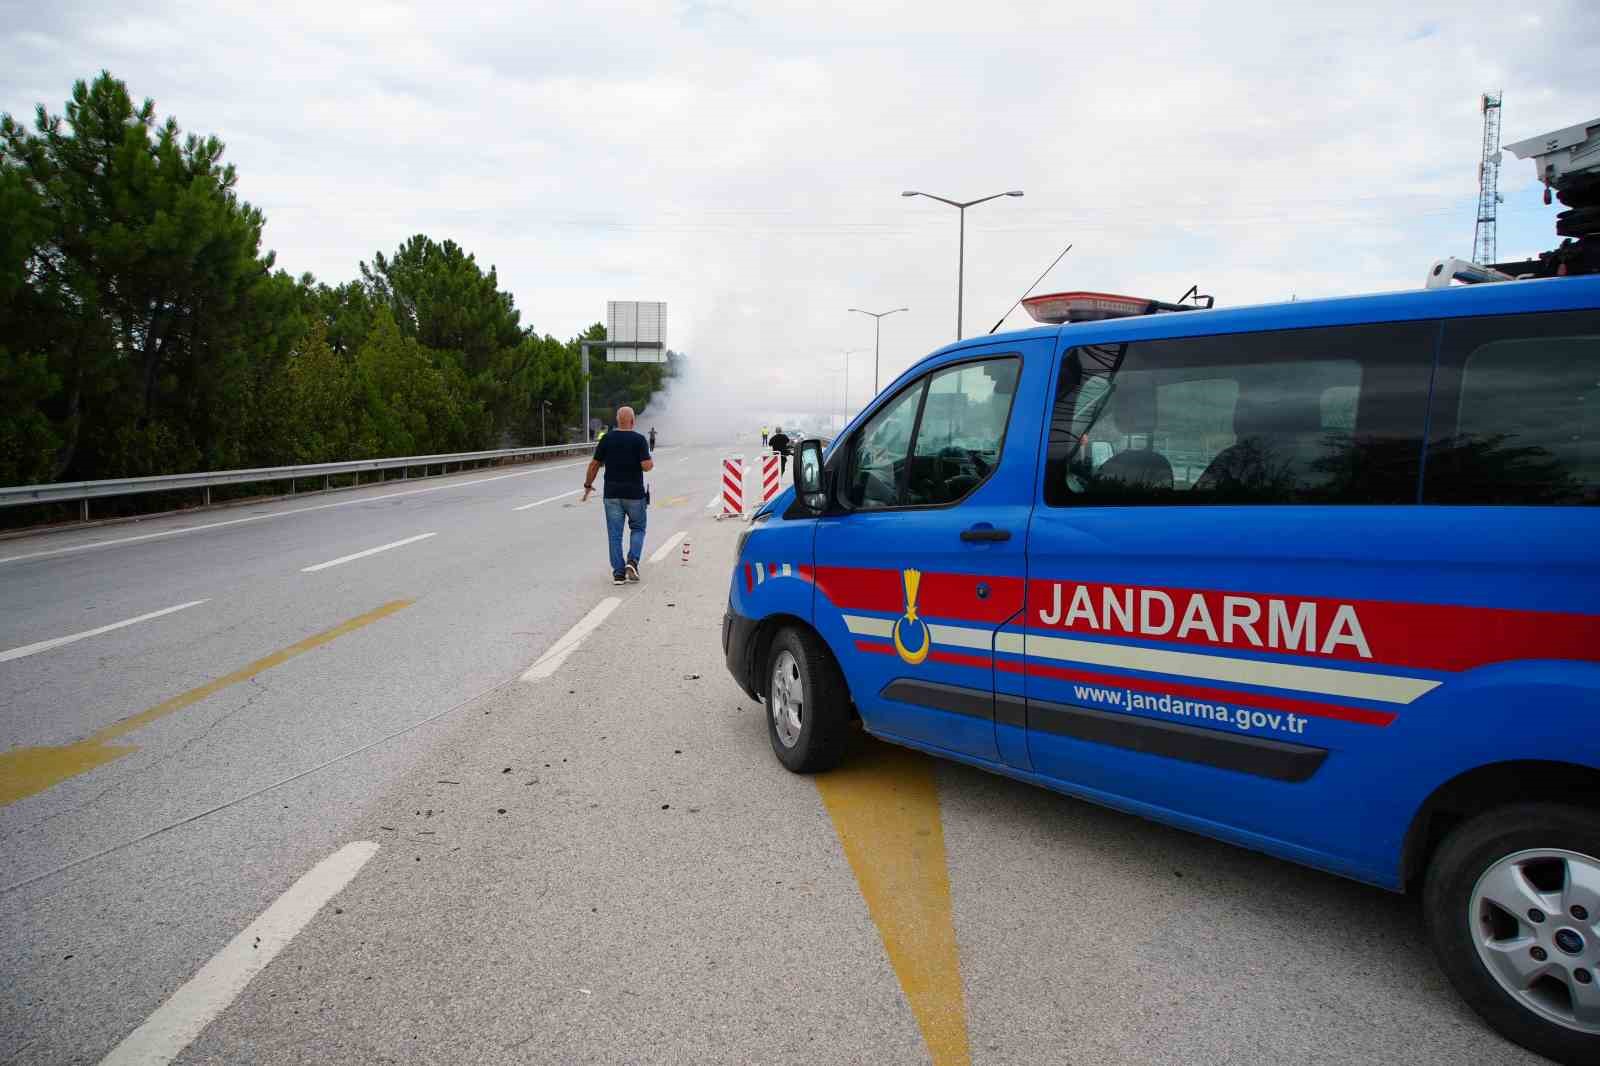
(780, 444)
(626, 456)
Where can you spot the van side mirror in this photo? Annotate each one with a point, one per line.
(808, 482)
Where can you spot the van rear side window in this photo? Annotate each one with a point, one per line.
(1330, 415)
(1517, 412)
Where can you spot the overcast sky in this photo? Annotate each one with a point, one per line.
(743, 161)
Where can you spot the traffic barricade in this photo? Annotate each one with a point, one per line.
(769, 476)
(732, 487)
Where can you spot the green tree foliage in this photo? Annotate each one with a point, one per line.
(415, 404)
(438, 296)
(28, 440)
(143, 267)
(144, 330)
(552, 375)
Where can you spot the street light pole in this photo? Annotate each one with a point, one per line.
(847, 355)
(583, 346)
(878, 317)
(961, 270)
(961, 253)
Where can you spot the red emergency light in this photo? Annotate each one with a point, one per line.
(1058, 307)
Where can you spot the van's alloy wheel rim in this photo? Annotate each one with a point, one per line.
(787, 698)
(1535, 919)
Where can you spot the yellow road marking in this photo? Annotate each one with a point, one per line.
(676, 501)
(26, 771)
(885, 808)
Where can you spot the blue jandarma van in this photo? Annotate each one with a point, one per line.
(1317, 578)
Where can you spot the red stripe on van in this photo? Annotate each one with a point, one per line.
(939, 596)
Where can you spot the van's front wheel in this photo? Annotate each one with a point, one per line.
(1512, 905)
(807, 704)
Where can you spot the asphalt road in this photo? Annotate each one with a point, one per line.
(601, 864)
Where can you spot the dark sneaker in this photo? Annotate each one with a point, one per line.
(632, 573)
(616, 579)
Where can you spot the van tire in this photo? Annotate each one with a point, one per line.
(813, 690)
(1453, 922)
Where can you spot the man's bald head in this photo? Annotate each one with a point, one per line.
(624, 418)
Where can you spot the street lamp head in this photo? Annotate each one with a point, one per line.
(911, 193)
(1014, 192)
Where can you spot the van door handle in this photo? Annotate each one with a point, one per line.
(985, 532)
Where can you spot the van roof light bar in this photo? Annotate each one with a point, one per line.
(1058, 307)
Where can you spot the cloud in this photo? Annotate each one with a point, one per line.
(744, 161)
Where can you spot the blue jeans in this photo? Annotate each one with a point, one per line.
(633, 510)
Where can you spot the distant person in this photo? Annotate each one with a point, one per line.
(780, 444)
(652, 438)
(598, 437)
(626, 456)
(763, 436)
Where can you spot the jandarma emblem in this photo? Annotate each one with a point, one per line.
(915, 627)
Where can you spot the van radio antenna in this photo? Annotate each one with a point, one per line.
(1035, 285)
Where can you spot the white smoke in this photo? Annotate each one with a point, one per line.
(723, 391)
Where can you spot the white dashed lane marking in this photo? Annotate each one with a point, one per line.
(551, 660)
(666, 549)
(363, 554)
(218, 983)
(56, 642)
(547, 499)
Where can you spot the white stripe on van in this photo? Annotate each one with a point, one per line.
(866, 626)
(962, 636)
(950, 636)
(1352, 684)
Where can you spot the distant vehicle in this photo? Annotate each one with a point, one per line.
(1318, 579)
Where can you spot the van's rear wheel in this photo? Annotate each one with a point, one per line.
(1512, 905)
(808, 709)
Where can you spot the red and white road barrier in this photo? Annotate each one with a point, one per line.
(733, 486)
(769, 476)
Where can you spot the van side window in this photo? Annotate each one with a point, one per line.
(1516, 413)
(1330, 415)
(874, 477)
(963, 426)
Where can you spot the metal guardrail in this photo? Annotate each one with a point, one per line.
(84, 491)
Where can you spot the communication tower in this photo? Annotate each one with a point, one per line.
(1483, 250)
